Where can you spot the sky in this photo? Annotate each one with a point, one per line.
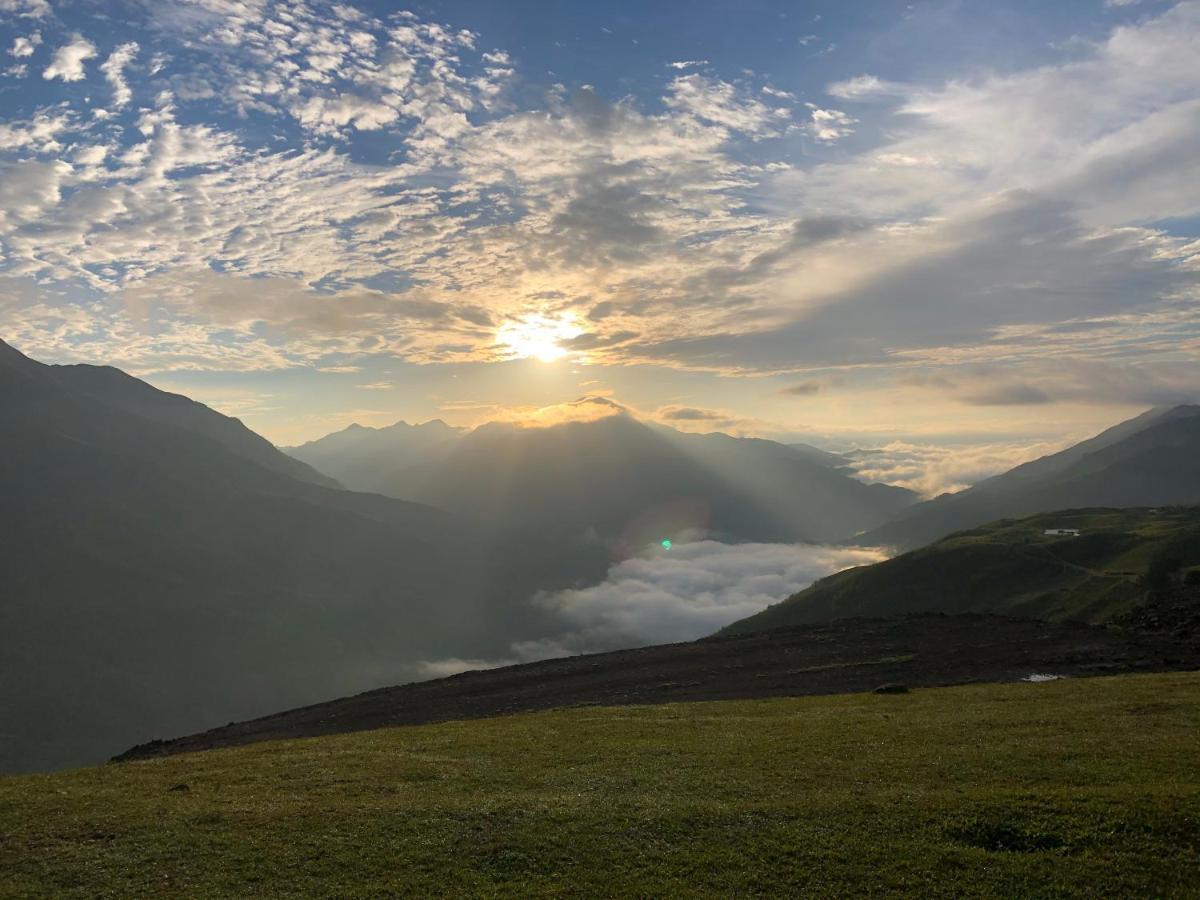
(967, 231)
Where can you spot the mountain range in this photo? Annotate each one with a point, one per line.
(625, 481)
(165, 569)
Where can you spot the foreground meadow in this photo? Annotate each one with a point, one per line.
(1068, 788)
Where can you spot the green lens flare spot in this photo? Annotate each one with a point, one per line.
(666, 544)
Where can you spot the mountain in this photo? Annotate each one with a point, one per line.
(165, 569)
(615, 477)
(1151, 460)
(816, 454)
(1012, 568)
(373, 459)
(113, 389)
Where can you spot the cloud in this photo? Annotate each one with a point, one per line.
(931, 469)
(684, 593)
(68, 60)
(480, 205)
(950, 287)
(113, 69)
(968, 218)
(584, 409)
(340, 370)
(23, 47)
(40, 133)
(327, 115)
(33, 9)
(687, 414)
(721, 103)
(1011, 393)
(802, 389)
(829, 125)
(1060, 378)
(865, 87)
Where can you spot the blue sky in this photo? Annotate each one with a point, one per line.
(961, 228)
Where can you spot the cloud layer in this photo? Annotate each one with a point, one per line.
(684, 593)
(268, 185)
(666, 596)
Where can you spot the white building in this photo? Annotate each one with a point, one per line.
(1062, 532)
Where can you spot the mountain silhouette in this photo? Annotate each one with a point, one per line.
(164, 569)
(618, 478)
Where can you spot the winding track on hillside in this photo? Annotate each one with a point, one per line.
(846, 656)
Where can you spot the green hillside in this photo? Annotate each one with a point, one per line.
(1084, 788)
(1009, 567)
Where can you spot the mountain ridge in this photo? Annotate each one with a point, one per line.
(1150, 460)
(616, 476)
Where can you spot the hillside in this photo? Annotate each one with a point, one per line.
(615, 477)
(1009, 567)
(165, 570)
(1073, 788)
(27, 382)
(838, 657)
(1150, 460)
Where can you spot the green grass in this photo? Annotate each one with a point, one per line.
(1071, 788)
(1009, 567)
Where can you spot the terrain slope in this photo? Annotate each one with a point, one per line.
(1012, 567)
(845, 656)
(1084, 787)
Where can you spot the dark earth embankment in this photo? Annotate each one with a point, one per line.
(841, 657)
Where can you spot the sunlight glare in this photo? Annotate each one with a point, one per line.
(538, 337)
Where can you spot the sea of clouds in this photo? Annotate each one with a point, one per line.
(664, 596)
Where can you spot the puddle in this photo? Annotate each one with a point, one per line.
(1038, 677)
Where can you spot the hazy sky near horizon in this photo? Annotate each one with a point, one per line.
(961, 224)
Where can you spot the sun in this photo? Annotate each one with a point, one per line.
(538, 337)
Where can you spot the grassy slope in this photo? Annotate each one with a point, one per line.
(1008, 567)
(1085, 788)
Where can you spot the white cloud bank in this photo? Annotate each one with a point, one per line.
(687, 592)
(930, 469)
(666, 596)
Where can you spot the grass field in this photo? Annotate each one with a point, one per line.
(1067, 788)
